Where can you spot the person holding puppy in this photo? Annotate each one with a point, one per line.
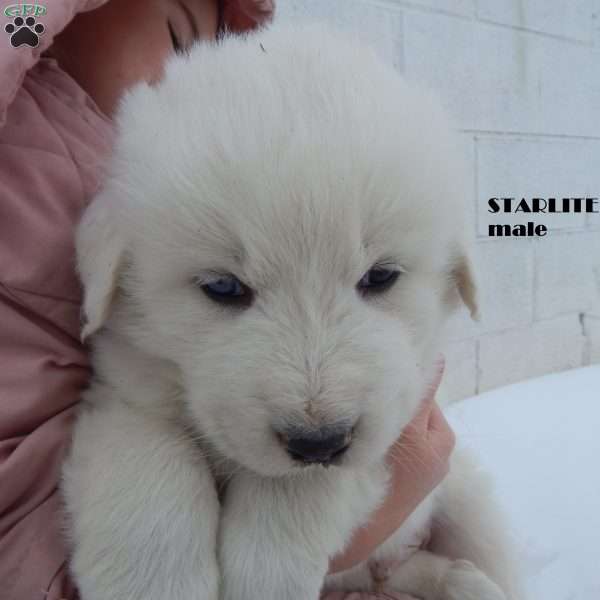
(59, 92)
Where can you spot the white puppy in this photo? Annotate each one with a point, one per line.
(269, 266)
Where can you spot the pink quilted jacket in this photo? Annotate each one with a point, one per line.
(53, 141)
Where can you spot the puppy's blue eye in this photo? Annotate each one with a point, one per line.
(225, 286)
(227, 289)
(378, 279)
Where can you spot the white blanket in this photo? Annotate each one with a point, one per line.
(541, 440)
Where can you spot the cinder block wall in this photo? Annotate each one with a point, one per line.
(522, 80)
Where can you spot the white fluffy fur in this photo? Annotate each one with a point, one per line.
(295, 160)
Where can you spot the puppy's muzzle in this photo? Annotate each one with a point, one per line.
(323, 446)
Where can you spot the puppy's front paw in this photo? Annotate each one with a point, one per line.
(464, 581)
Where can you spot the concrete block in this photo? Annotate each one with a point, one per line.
(593, 219)
(457, 7)
(505, 284)
(467, 150)
(567, 274)
(591, 328)
(541, 168)
(572, 19)
(499, 79)
(545, 347)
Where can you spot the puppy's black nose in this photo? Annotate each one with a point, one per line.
(322, 446)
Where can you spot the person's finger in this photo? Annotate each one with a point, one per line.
(437, 420)
(422, 416)
(435, 384)
(440, 433)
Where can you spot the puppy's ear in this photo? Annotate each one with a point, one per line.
(100, 252)
(463, 278)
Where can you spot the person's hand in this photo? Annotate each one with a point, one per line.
(419, 461)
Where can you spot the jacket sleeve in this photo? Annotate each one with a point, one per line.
(43, 367)
(52, 148)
